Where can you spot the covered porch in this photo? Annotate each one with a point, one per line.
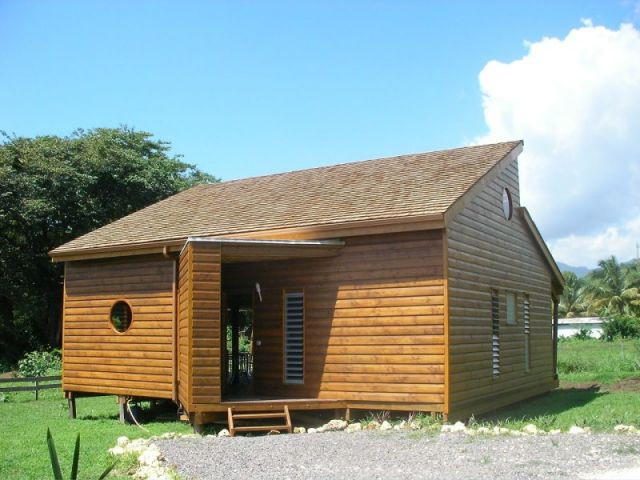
(242, 352)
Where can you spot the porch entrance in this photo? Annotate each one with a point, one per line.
(238, 317)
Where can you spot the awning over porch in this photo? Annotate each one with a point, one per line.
(248, 250)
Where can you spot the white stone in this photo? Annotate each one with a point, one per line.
(223, 433)
(299, 430)
(414, 425)
(555, 431)
(136, 446)
(210, 436)
(335, 425)
(625, 429)
(354, 427)
(483, 431)
(574, 430)
(458, 427)
(372, 426)
(385, 426)
(147, 472)
(312, 430)
(150, 457)
(400, 426)
(116, 450)
(122, 441)
(531, 429)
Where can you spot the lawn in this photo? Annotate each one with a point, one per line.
(597, 390)
(598, 361)
(23, 448)
(599, 387)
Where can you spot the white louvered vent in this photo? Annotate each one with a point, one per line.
(527, 331)
(495, 332)
(294, 337)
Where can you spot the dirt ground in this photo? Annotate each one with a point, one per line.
(626, 385)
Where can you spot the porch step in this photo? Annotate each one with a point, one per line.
(253, 416)
(232, 417)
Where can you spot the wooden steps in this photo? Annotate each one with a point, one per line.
(233, 417)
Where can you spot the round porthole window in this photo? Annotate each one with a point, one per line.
(121, 316)
(507, 204)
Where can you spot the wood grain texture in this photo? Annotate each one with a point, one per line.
(487, 251)
(97, 358)
(184, 326)
(203, 367)
(374, 329)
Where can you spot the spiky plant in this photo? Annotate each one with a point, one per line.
(55, 464)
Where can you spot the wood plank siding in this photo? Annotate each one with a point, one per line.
(184, 327)
(199, 327)
(486, 251)
(97, 358)
(373, 322)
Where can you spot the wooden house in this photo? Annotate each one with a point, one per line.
(411, 283)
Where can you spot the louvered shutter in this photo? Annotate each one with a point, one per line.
(294, 337)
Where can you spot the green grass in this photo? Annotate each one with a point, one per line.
(600, 406)
(598, 361)
(564, 408)
(23, 447)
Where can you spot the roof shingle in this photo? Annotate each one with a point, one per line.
(404, 186)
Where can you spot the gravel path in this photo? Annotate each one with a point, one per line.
(406, 455)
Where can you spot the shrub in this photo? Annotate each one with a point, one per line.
(620, 326)
(38, 364)
(583, 334)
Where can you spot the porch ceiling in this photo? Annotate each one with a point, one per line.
(248, 250)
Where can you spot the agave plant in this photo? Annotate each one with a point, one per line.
(55, 464)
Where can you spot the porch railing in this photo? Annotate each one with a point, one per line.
(245, 364)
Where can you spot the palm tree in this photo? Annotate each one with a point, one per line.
(572, 300)
(613, 288)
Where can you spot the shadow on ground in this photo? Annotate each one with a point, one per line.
(549, 405)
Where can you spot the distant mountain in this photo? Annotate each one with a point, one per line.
(579, 271)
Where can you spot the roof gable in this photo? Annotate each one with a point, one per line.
(395, 188)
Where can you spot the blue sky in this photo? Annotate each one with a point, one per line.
(249, 88)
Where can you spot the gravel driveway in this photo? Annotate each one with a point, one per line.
(406, 455)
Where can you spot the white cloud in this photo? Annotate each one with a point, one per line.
(583, 249)
(576, 103)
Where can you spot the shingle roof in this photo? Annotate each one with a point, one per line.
(405, 186)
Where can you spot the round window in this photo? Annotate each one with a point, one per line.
(121, 316)
(507, 204)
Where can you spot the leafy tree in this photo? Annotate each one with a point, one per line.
(613, 288)
(54, 189)
(572, 302)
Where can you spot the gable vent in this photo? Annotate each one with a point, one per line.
(294, 337)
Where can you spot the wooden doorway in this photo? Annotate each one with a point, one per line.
(238, 347)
